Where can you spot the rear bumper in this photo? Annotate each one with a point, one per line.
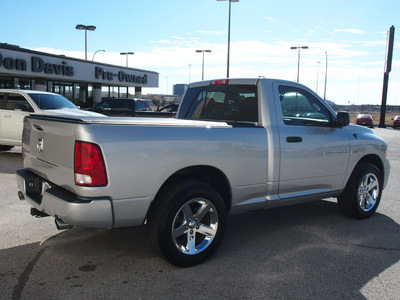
(64, 205)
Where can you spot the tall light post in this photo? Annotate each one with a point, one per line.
(189, 65)
(127, 53)
(229, 35)
(316, 90)
(86, 28)
(96, 53)
(202, 51)
(298, 58)
(326, 72)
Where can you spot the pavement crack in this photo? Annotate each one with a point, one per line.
(377, 248)
(24, 277)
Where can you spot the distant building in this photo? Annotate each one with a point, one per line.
(84, 82)
(179, 89)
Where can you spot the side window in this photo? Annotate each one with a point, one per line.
(235, 103)
(301, 108)
(18, 102)
(2, 102)
(105, 105)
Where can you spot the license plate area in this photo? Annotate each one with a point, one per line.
(34, 188)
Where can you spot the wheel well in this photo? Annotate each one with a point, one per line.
(374, 159)
(206, 174)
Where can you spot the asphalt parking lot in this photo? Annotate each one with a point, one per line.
(307, 251)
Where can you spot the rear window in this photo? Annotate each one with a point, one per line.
(238, 103)
(143, 105)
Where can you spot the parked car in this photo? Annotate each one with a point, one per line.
(365, 120)
(127, 107)
(396, 122)
(16, 104)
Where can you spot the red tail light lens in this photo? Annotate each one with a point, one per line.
(89, 165)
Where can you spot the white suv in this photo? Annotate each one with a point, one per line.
(16, 104)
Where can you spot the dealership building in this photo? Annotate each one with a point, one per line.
(81, 81)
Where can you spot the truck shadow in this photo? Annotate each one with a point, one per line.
(10, 161)
(307, 251)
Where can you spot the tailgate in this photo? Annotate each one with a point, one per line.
(48, 146)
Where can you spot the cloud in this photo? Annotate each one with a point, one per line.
(350, 30)
(215, 32)
(271, 19)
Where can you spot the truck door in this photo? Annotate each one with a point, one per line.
(314, 153)
(16, 107)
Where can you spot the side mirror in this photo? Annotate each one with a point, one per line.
(342, 119)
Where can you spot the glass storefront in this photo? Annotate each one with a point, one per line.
(115, 92)
(81, 94)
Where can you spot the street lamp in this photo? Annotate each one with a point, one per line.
(202, 51)
(326, 72)
(298, 58)
(316, 90)
(229, 35)
(86, 28)
(189, 65)
(127, 53)
(96, 52)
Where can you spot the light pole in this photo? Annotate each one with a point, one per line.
(202, 51)
(298, 58)
(86, 28)
(229, 35)
(127, 53)
(189, 65)
(326, 72)
(96, 52)
(316, 90)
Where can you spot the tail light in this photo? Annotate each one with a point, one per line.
(219, 82)
(89, 165)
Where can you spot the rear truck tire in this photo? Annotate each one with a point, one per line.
(362, 194)
(187, 223)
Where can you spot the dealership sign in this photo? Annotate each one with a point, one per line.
(54, 67)
(37, 65)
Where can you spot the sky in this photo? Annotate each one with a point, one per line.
(349, 36)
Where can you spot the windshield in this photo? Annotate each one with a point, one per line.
(51, 101)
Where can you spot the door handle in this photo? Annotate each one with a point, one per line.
(7, 116)
(294, 139)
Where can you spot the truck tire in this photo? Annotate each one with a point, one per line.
(362, 194)
(187, 222)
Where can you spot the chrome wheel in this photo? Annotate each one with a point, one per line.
(195, 226)
(363, 191)
(368, 192)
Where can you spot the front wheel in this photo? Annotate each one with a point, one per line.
(187, 222)
(363, 192)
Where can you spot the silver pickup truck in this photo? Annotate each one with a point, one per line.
(235, 145)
